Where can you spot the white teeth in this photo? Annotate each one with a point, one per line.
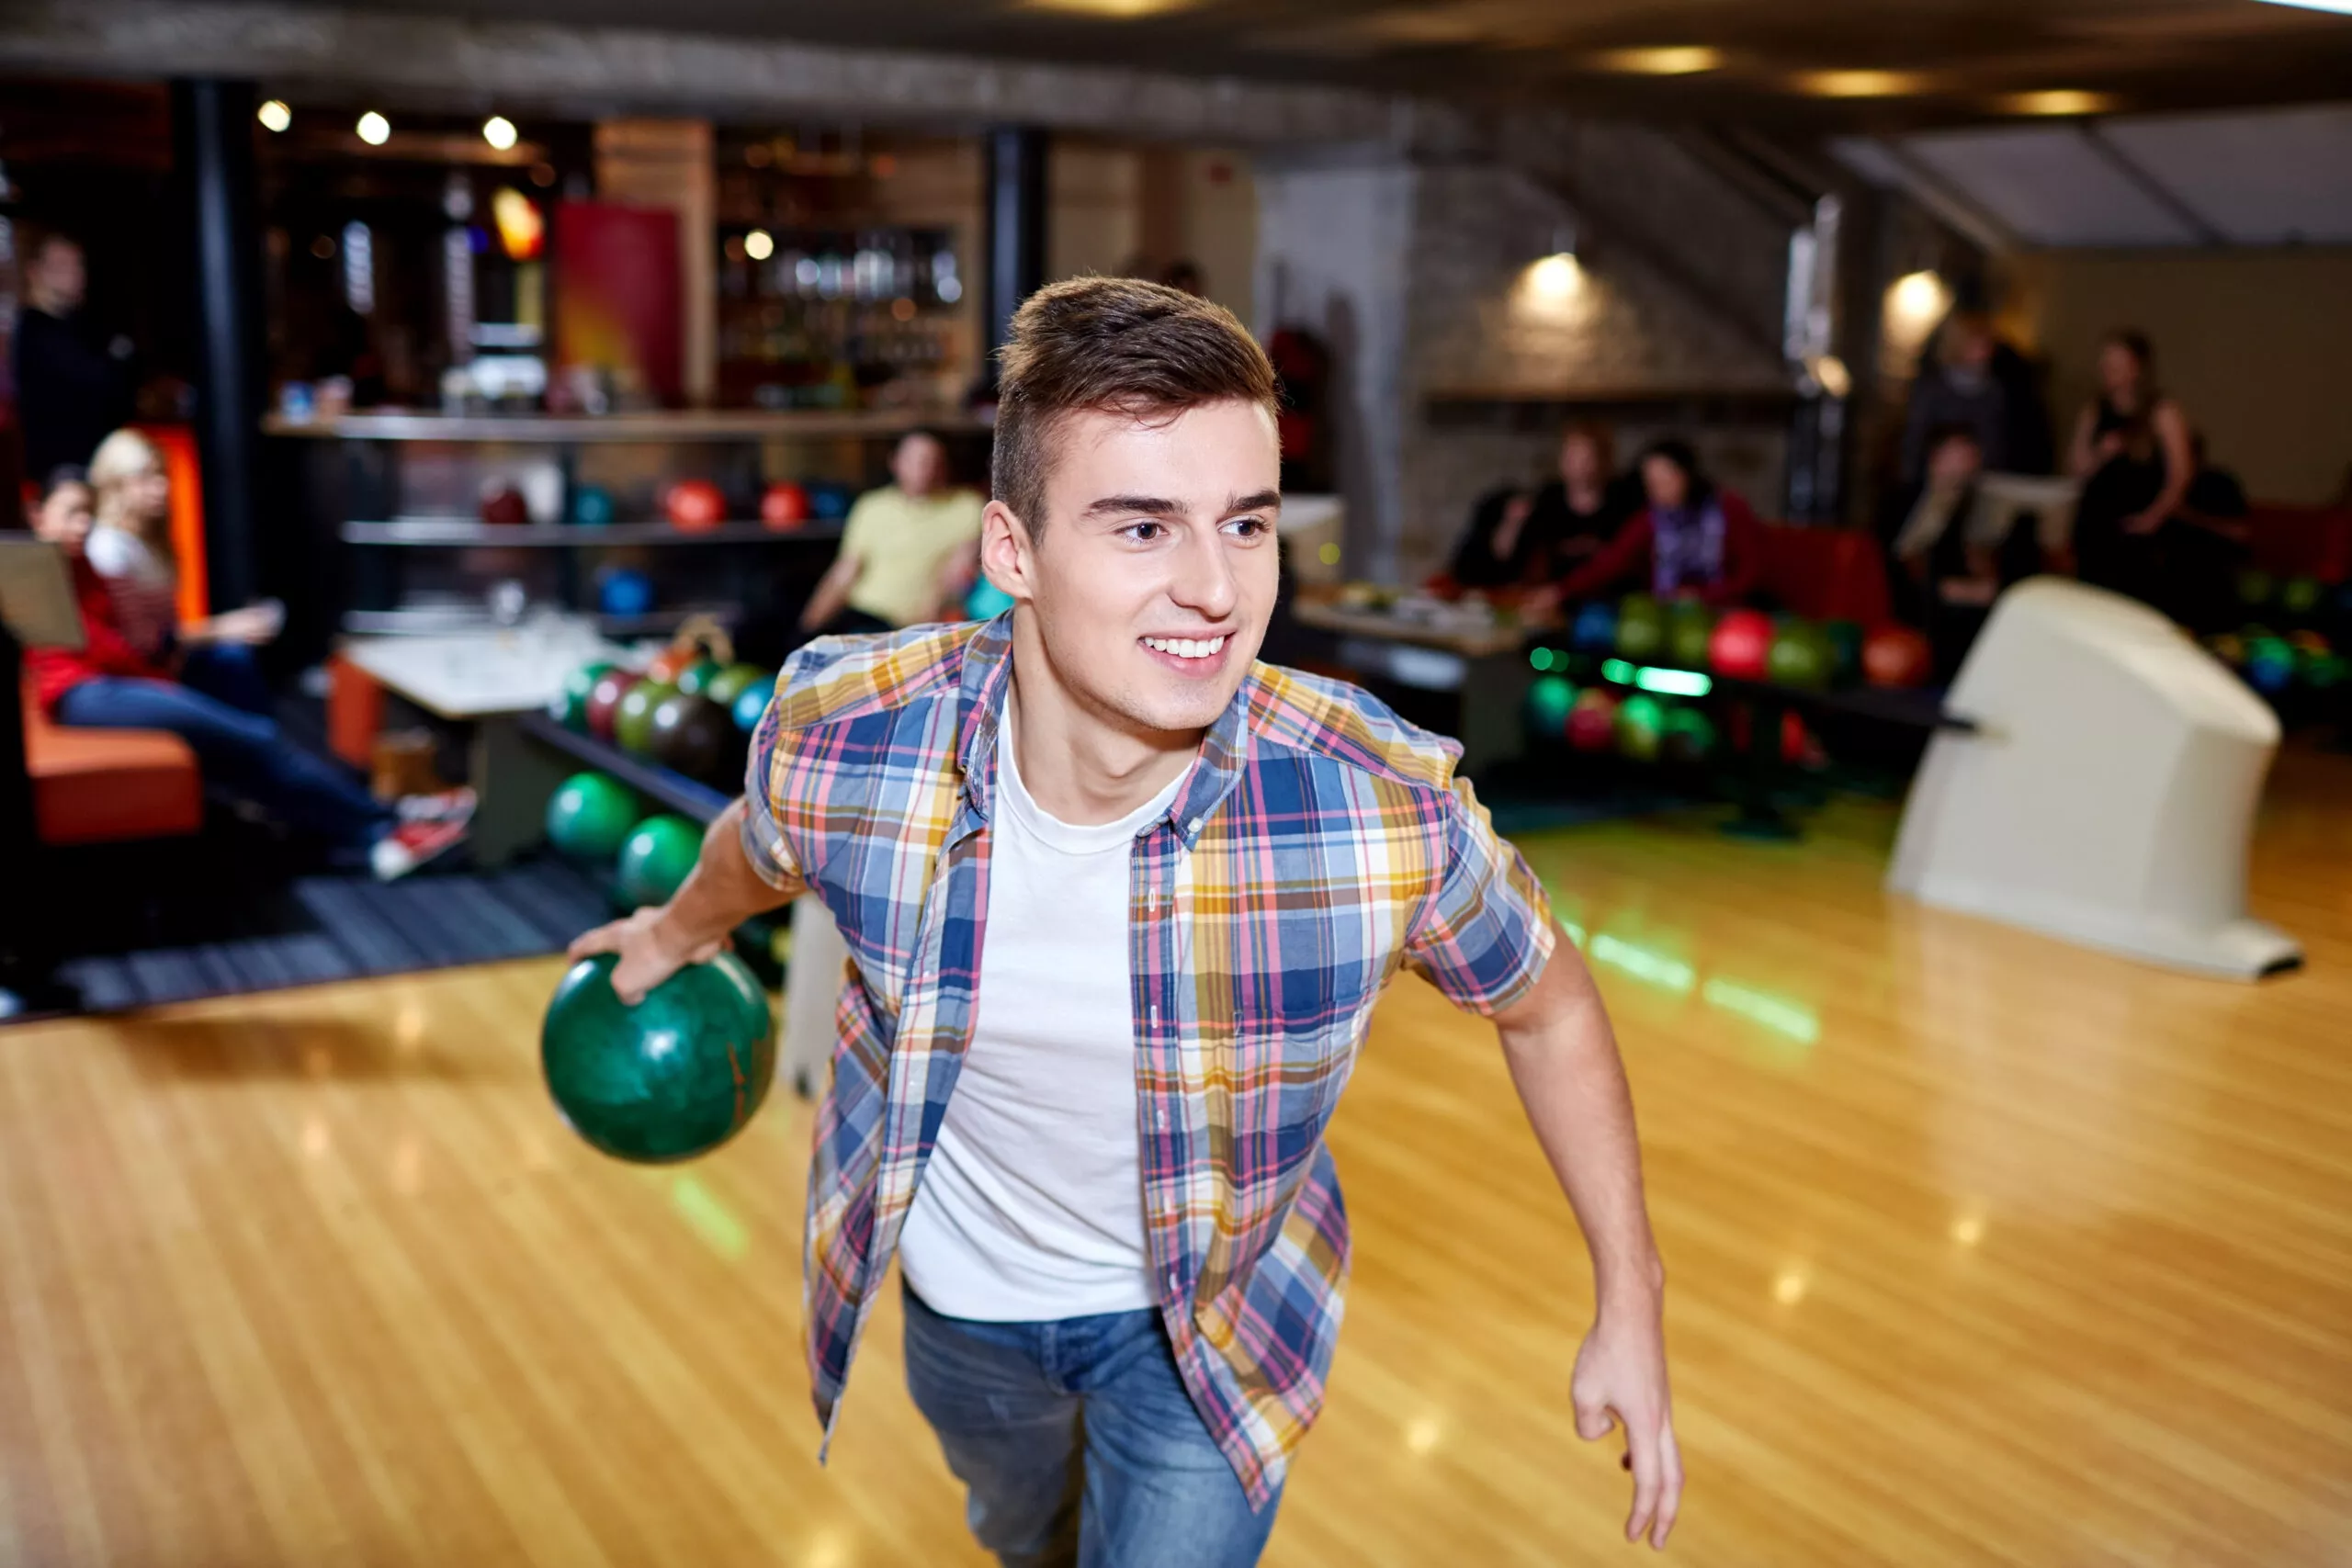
(1185, 646)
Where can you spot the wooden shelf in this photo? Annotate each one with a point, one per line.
(449, 531)
(690, 425)
(696, 802)
(441, 620)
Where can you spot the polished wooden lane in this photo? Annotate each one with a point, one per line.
(1983, 1249)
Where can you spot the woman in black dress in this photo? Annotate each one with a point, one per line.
(2131, 451)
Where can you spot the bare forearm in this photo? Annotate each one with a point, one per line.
(720, 893)
(832, 593)
(1564, 1061)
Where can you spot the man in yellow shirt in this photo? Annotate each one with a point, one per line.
(905, 547)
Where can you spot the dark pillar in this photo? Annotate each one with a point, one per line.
(212, 144)
(1016, 231)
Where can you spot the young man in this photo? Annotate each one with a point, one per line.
(71, 388)
(1120, 902)
(900, 548)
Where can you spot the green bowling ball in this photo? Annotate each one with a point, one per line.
(1549, 701)
(1799, 656)
(673, 1077)
(728, 684)
(2301, 595)
(589, 815)
(1690, 734)
(569, 707)
(1641, 728)
(698, 675)
(2255, 586)
(1844, 651)
(1688, 626)
(654, 859)
(633, 720)
(2325, 671)
(1641, 628)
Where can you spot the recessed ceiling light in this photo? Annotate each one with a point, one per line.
(1679, 59)
(499, 131)
(2345, 7)
(1860, 83)
(274, 115)
(2061, 101)
(1125, 9)
(374, 128)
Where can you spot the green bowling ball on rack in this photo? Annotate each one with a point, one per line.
(729, 683)
(698, 675)
(1641, 728)
(1550, 700)
(1641, 628)
(1799, 656)
(1688, 626)
(1689, 736)
(633, 720)
(654, 860)
(671, 1078)
(569, 707)
(589, 815)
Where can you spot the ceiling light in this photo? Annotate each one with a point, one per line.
(1860, 83)
(274, 115)
(374, 128)
(2345, 7)
(2062, 101)
(759, 245)
(499, 131)
(1681, 60)
(1556, 276)
(1125, 9)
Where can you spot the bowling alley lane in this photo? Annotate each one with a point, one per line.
(1980, 1249)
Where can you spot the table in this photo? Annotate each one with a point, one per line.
(1482, 664)
(490, 680)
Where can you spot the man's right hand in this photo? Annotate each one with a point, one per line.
(650, 949)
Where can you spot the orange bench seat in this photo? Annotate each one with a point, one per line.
(95, 786)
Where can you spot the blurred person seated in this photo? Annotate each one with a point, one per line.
(1973, 379)
(906, 548)
(1521, 540)
(1692, 538)
(108, 684)
(130, 548)
(1949, 556)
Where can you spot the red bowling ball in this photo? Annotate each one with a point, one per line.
(1741, 645)
(694, 506)
(1592, 723)
(1895, 657)
(604, 700)
(784, 507)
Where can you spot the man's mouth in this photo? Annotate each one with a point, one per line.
(1189, 647)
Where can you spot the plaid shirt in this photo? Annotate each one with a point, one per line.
(1317, 843)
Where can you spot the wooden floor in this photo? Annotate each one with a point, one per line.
(1983, 1249)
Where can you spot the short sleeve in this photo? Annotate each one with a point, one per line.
(764, 844)
(1486, 931)
(858, 532)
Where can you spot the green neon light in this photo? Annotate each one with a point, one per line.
(1575, 932)
(1617, 669)
(709, 1219)
(1539, 658)
(1779, 1014)
(1644, 964)
(1674, 682)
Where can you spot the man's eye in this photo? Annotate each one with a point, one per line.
(1145, 533)
(1250, 528)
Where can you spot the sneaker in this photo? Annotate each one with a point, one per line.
(425, 834)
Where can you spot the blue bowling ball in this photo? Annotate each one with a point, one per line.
(751, 702)
(1595, 629)
(830, 503)
(624, 590)
(986, 601)
(592, 507)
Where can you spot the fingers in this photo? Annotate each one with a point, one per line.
(1649, 1475)
(1669, 1502)
(1593, 1419)
(604, 939)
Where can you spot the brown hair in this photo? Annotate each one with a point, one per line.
(1597, 435)
(1113, 345)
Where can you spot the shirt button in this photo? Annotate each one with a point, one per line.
(1195, 826)
(1172, 1285)
(1163, 1121)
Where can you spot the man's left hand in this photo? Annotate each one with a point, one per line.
(1620, 1380)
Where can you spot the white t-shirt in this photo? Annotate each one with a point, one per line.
(1032, 1206)
(142, 583)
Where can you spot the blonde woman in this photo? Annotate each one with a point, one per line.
(131, 549)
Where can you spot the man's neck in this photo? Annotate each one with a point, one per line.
(1079, 764)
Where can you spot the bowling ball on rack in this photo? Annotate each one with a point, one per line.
(830, 503)
(729, 683)
(1895, 657)
(1592, 723)
(624, 590)
(673, 1077)
(569, 707)
(1740, 644)
(693, 736)
(2269, 665)
(589, 815)
(694, 676)
(592, 506)
(2255, 586)
(1641, 728)
(986, 601)
(784, 506)
(1688, 626)
(1641, 628)
(605, 697)
(502, 503)
(633, 720)
(1595, 628)
(2301, 596)
(1799, 656)
(694, 506)
(1845, 651)
(1550, 700)
(751, 703)
(654, 860)
(2227, 647)
(1689, 736)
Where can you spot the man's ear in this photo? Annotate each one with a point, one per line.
(1007, 552)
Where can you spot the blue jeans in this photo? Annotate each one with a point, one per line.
(1076, 1443)
(219, 707)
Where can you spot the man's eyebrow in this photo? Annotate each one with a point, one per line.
(1160, 506)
